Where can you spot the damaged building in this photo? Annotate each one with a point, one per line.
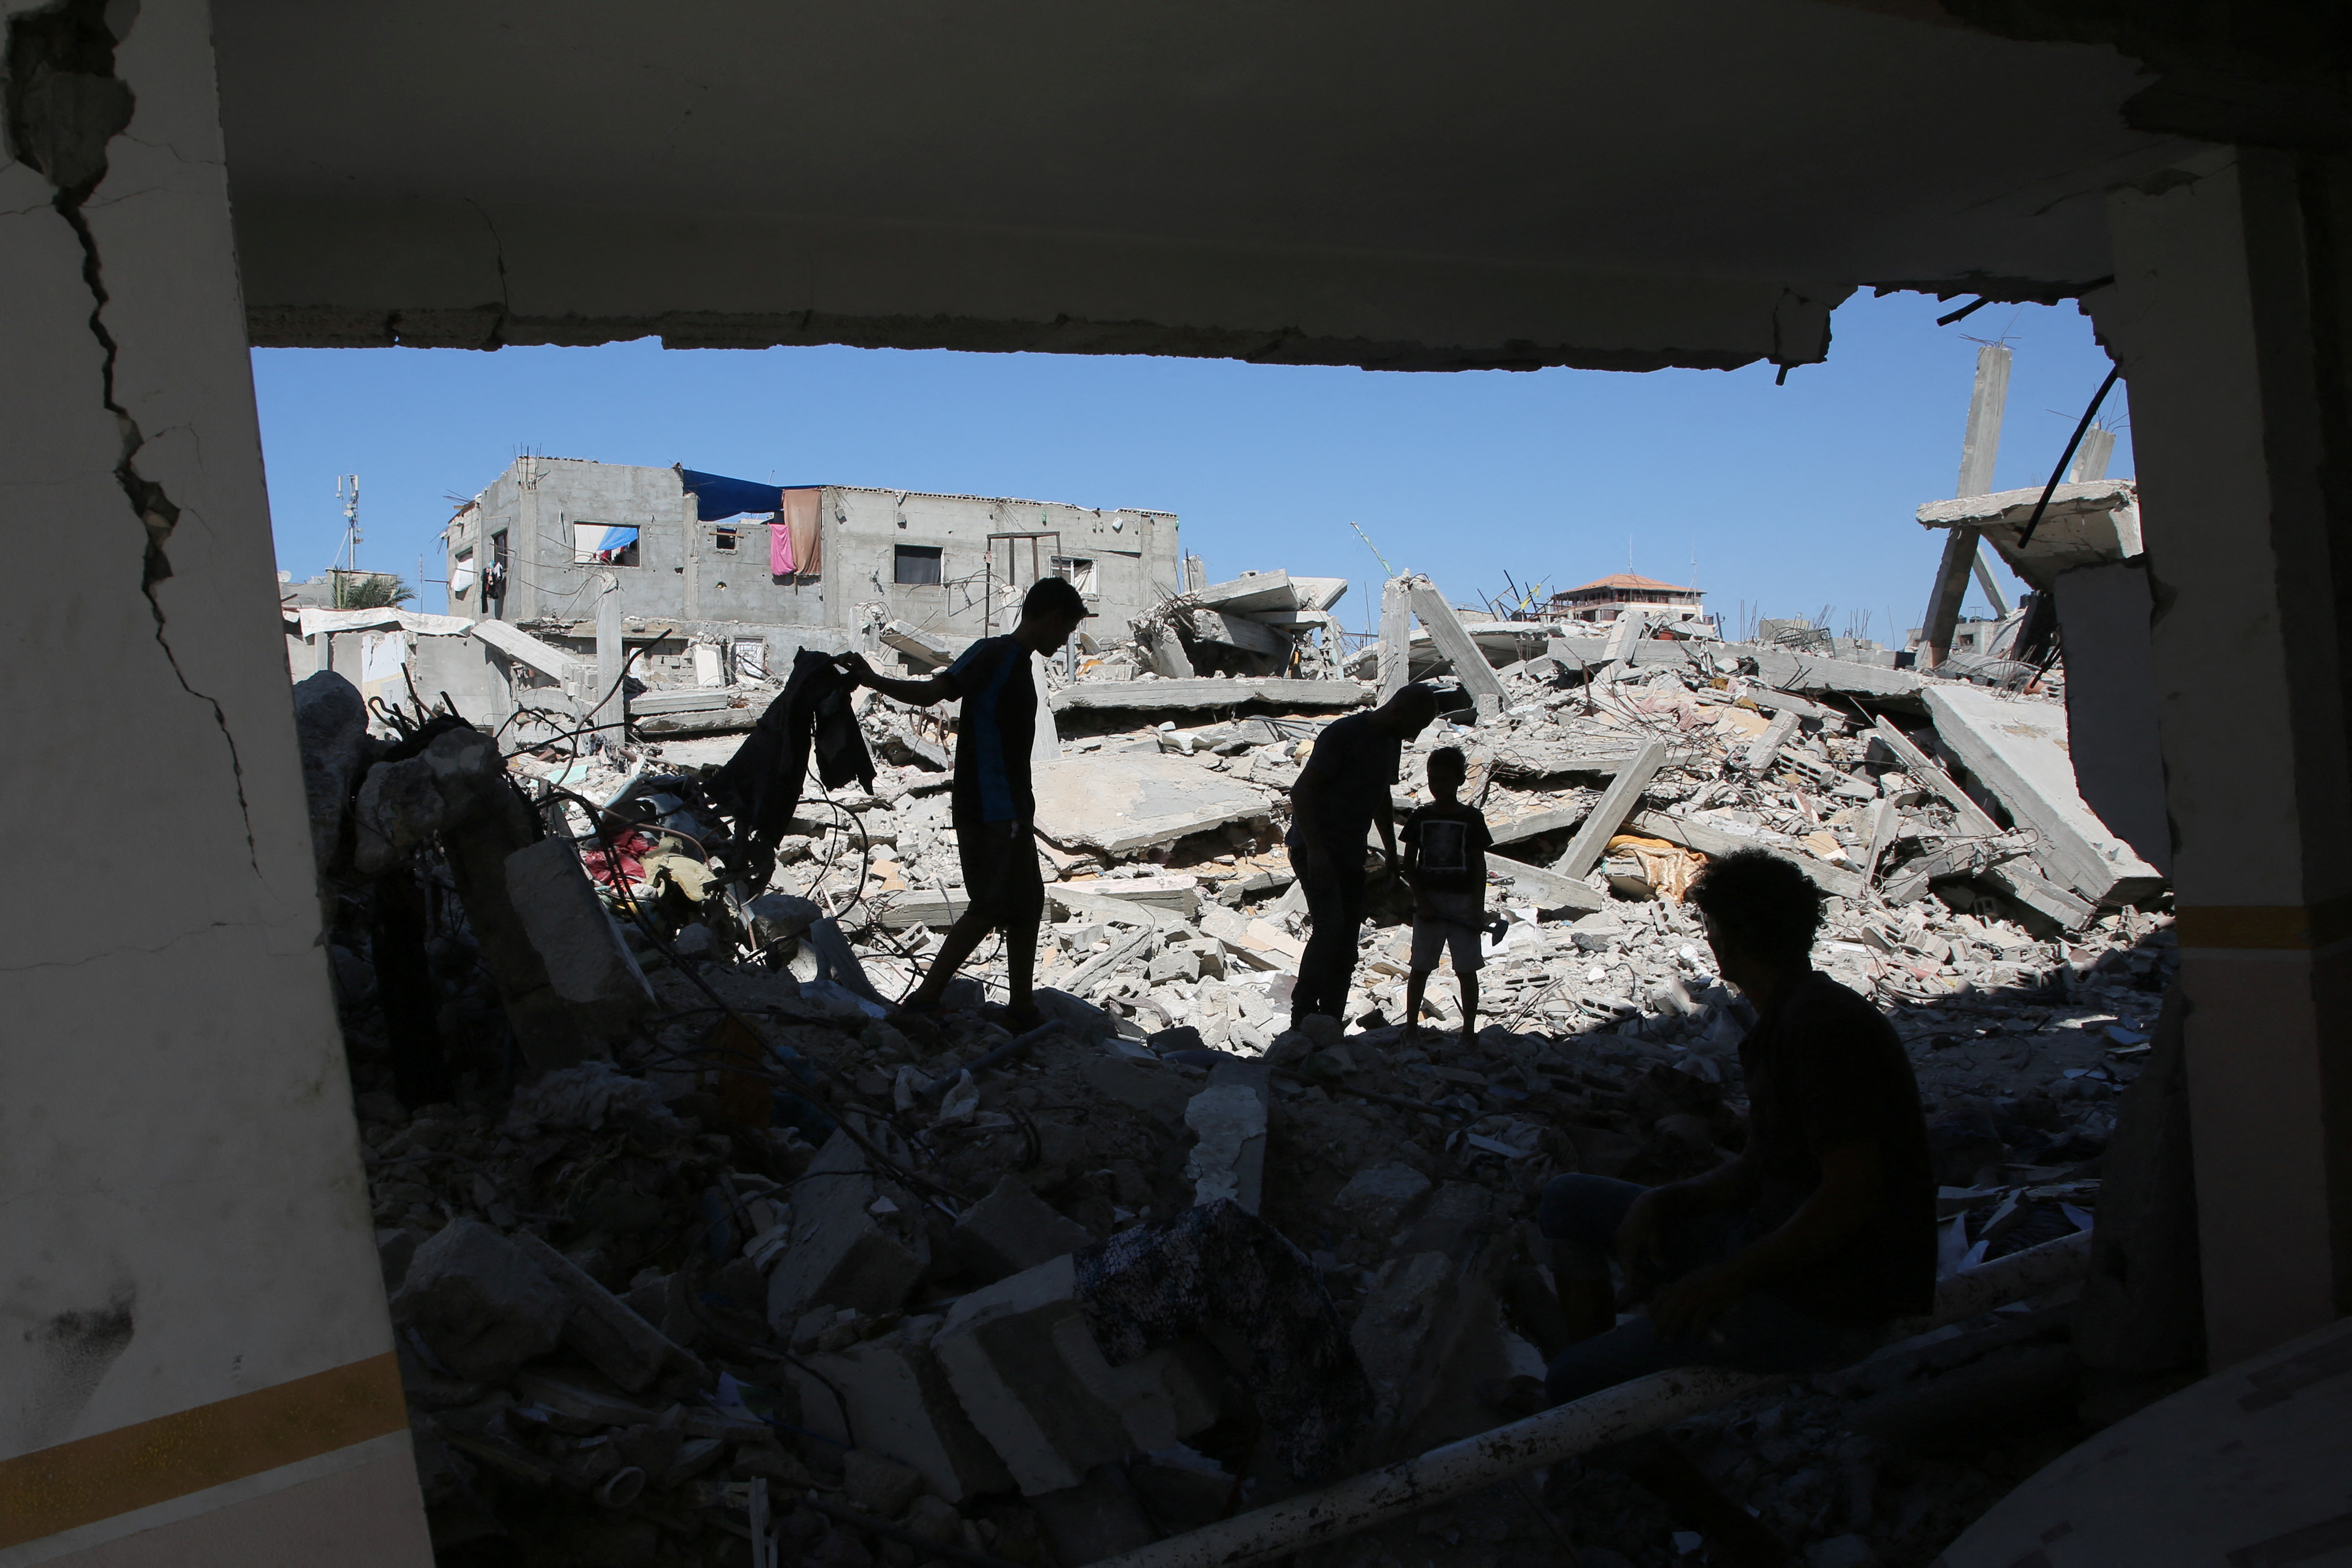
(768, 569)
(412, 1153)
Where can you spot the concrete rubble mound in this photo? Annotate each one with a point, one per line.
(699, 1251)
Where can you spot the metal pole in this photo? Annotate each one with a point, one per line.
(1632, 1410)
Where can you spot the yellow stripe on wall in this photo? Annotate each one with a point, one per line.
(136, 1467)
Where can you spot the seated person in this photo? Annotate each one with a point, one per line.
(1445, 845)
(1793, 1257)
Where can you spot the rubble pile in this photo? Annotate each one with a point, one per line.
(710, 1254)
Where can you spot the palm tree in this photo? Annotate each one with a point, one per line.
(370, 590)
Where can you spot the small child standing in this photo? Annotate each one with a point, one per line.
(1444, 846)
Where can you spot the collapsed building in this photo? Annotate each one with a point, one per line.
(201, 1359)
(735, 1252)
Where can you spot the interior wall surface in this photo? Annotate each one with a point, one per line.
(2226, 318)
(195, 1360)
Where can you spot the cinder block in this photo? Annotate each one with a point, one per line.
(1029, 1376)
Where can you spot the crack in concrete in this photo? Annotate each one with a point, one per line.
(497, 254)
(64, 104)
(174, 940)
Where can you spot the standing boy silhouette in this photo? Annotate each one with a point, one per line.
(1445, 845)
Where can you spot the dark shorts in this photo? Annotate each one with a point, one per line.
(999, 872)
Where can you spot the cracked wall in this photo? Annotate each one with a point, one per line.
(175, 1120)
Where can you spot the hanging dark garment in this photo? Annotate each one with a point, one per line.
(761, 785)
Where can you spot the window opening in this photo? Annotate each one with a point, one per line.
(494, 576)
(1017, 560)
(1078, 569)
(914, 565)
(604, 544)
(461, 574)
(723, 539)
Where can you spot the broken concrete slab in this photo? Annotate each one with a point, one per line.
(1815, 675)
(1377, 1197)
(693, 711)
(843, 1253)
(480, 1302)
(2017, 747)
(587, 963)
(601, 1327)
(1454, 641)
(1028, 1372)
(1397, 1330)
(529, 651)
(2085, 524)
(1229, 1117)
(890, 1393)
(1273, 591)
(1207, 692)
(1260, 943)
(1116, 805)
(1179, 892)
(1013, 1229)
(1240, 632)
(2019, 880)
(1623, 794)
(1714, 842)
(1547, 889)
(936, 649)
(1142, 1086)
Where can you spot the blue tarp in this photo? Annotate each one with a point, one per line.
(717, 497)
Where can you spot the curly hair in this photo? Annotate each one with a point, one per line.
(1764, 904)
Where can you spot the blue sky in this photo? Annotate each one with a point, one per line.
(1791, 498)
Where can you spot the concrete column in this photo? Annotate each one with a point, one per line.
(1396, 635)
(1980, 446)
(2228, 316)
(195, 1361)
(612, 659)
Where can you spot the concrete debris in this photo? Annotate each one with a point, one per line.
(675, 1201)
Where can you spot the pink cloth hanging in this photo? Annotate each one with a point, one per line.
(780, 548)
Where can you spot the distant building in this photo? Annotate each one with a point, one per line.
(700, 558)
(1612, 596)
(317, 592)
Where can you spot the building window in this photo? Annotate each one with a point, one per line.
(604, 544)
(915, 564)
(723, 540)
(1078, 569)
(461, 574)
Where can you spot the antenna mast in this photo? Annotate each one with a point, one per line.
(347, 490)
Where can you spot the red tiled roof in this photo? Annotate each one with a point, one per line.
(1628, 580)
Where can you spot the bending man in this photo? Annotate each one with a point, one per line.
(1341, 794)
(993, 808)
